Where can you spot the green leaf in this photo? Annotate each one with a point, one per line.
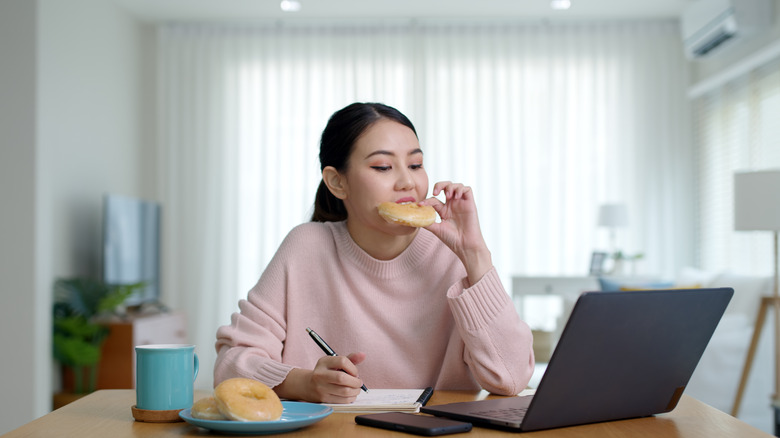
(76, 339)
(73, 351)
(81, 295)
(116, 295)
(78, 326)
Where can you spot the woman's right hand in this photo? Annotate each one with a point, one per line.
(334, 379)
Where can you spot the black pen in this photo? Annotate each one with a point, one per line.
(326, 348)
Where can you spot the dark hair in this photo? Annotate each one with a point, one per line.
(344, 127)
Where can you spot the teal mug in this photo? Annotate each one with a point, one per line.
(165, 376)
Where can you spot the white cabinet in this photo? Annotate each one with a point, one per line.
(545, 302)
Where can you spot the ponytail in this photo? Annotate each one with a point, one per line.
(327, 208)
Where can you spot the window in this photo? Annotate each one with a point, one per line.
(736, 130)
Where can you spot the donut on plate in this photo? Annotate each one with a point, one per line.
(206, 409)
(244, 399)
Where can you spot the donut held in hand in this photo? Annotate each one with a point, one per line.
(243, 399)
(409, 214)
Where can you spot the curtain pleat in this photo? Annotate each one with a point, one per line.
(544, 121)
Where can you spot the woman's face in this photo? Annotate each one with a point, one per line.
(386, 164)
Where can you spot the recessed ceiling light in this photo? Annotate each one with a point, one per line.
(560, 4)
(290, 5)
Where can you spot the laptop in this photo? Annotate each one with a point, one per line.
(621, 355)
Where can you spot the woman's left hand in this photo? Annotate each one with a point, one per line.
(459, 227)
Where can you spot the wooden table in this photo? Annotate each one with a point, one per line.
(106, 413)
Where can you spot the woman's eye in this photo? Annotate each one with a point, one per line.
(381, 168)
(416, 166)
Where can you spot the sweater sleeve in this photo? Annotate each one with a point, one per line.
(252, 345)
(498, 345)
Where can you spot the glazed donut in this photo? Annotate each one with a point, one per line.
(243, 399)
(206, 409)
(407, 213)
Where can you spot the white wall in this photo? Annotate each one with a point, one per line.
(71, 117)
(89, 121)
(21, 341)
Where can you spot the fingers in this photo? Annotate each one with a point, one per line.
(459, 226)
(336, 378)
(452, 191)
(342, 364)
(356, 358)
(458, 199)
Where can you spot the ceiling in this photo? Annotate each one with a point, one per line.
(246, 10)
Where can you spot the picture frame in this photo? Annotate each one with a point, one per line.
(597, 260)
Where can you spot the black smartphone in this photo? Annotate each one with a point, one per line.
(411, 423)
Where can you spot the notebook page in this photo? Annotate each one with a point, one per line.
(382, 400)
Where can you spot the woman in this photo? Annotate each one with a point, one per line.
(415, 307)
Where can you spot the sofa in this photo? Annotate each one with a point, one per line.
(717, 376)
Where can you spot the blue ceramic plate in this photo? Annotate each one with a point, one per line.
(295, 416)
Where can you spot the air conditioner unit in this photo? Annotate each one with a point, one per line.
(710, 25)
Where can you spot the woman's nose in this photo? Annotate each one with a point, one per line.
(405, 180)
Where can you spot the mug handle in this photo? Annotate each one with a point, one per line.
(196, 368)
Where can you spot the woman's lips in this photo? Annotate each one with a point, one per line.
(404, 200)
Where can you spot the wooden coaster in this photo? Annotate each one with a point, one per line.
(148, 416)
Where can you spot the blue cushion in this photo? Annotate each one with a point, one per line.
(610, 285)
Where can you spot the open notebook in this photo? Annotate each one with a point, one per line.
(386, 400)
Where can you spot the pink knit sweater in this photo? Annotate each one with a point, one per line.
(414, 317)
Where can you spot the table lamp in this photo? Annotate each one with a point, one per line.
(613, 216)
(757, 207)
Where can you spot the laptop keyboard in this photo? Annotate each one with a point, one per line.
(512, 414)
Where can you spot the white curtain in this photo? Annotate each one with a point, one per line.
(545, 122)
(736, 130)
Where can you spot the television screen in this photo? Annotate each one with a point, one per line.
(131, 245)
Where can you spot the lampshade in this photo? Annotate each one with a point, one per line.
(613, 215)
(757, 200)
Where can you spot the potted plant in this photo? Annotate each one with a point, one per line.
(77, 337)
(620, 259)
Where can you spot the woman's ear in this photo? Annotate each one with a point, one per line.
(335, 182)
